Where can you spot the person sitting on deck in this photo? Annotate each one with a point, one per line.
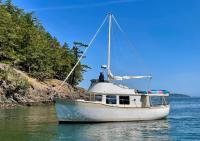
(101, 77)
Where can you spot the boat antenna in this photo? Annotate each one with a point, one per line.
(109, 31)
(90, 43)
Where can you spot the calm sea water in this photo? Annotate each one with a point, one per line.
(40, 124)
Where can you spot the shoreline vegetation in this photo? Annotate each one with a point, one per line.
(27, 46)
(33, 63)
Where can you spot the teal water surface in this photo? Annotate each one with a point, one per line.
(40, 124)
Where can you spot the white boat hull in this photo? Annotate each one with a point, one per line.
(83, 111)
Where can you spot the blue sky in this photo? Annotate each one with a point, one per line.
(165, 36)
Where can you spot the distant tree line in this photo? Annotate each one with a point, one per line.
(26, 45)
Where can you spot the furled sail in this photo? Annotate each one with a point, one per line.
(112, 77)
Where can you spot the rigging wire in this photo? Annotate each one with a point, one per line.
(90, 43)
(131, 44)
(129, 41)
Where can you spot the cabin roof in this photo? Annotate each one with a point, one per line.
(110, 88)
(107, 88)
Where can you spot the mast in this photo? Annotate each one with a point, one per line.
(109, 31)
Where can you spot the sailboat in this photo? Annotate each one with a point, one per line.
(109, 102)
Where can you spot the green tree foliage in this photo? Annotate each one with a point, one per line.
(77, 52)
(26, 45)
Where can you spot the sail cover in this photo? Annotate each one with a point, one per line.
(112, 77)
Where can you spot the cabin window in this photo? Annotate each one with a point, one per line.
(124, 100)
(111, 99)
(98, 97)
(158, 100)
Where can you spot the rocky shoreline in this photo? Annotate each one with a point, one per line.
(18, 88)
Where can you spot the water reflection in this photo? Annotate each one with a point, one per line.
(27, 123)
(149, 130)
(40, 124)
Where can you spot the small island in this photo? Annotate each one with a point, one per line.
(177, 95)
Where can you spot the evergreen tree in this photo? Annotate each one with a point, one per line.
(26, 45)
